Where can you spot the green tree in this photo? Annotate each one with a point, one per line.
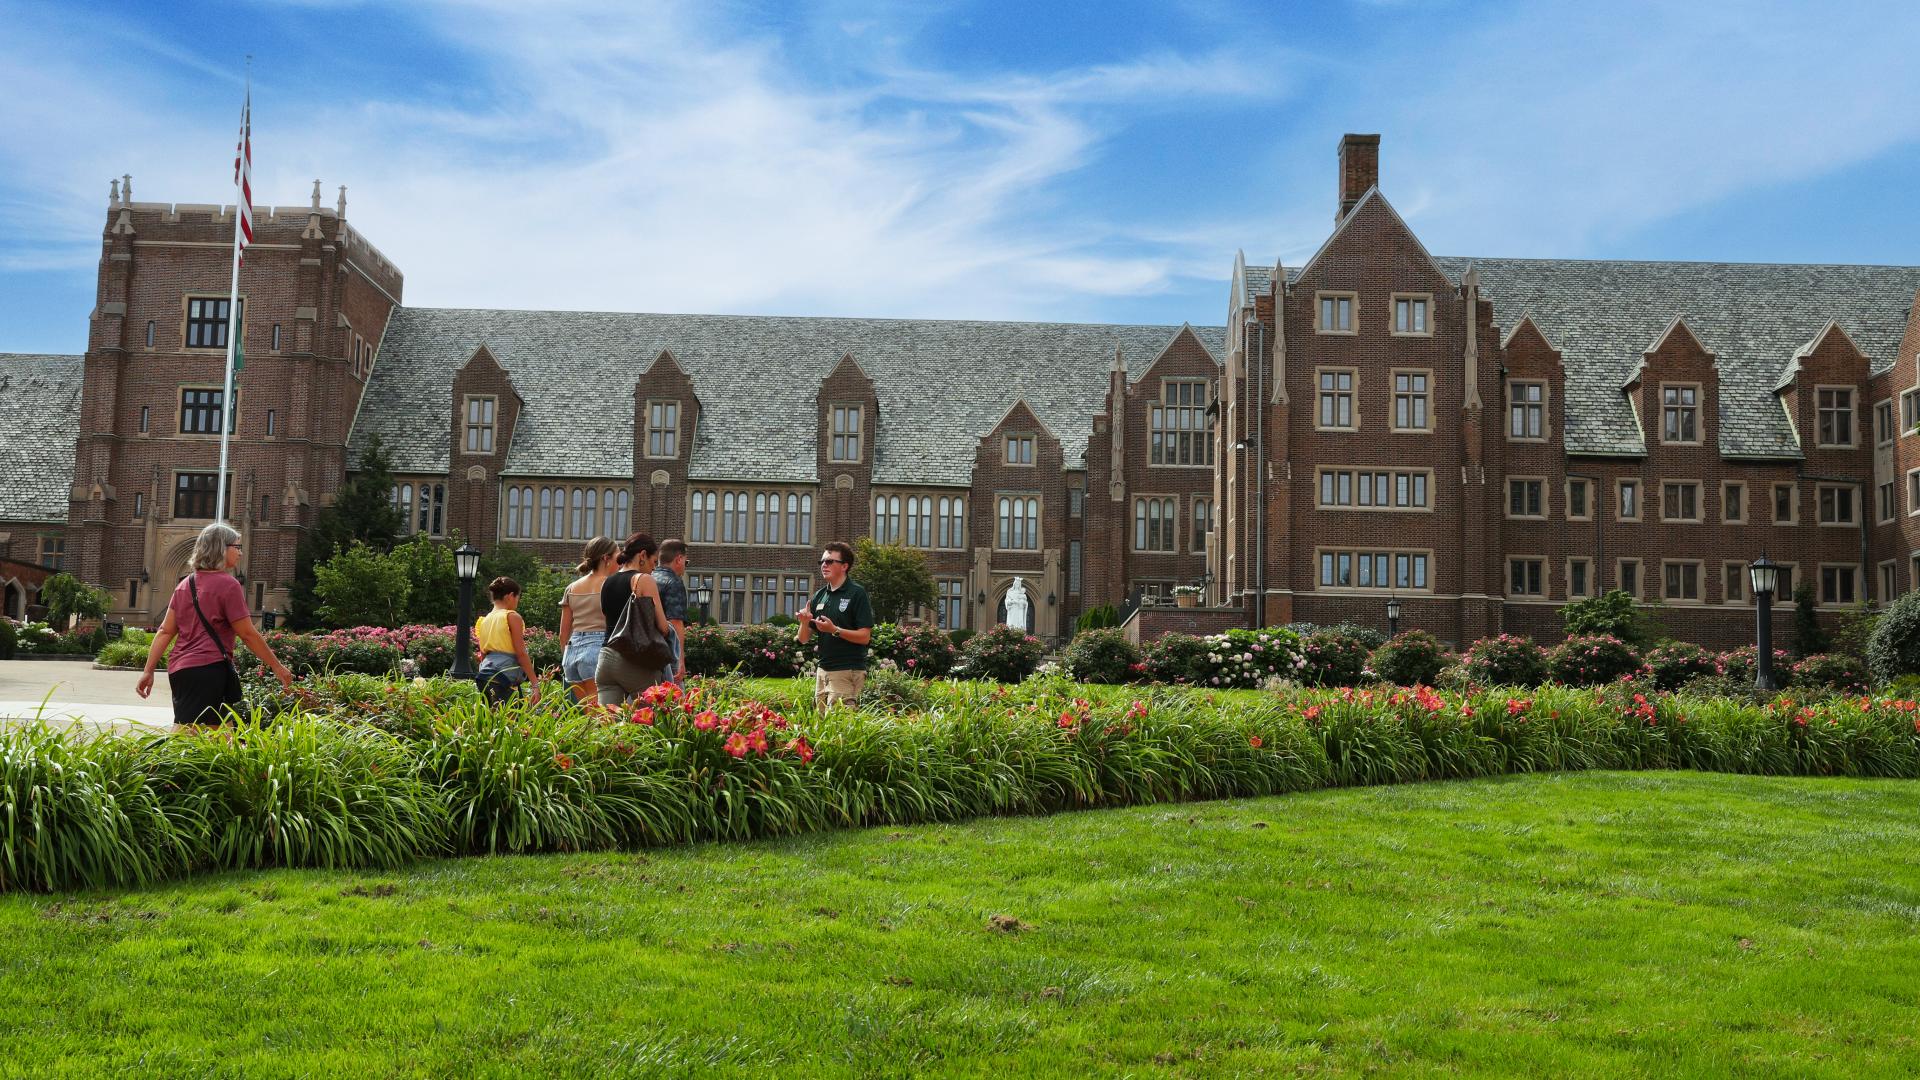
(895, 577)
(506, 560)
(1613, 612)
(1809, 637)
(362, 587)
(362, 512)
(66, 596)
(540, 598)
(434, 595)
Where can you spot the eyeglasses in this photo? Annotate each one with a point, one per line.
(833, 562)
(236, 546)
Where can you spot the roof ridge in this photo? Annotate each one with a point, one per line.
(809, 318)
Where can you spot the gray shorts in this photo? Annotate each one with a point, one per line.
(619, 679)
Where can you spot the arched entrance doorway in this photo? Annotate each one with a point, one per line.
(13, 601)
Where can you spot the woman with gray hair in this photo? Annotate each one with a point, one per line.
(207, 612)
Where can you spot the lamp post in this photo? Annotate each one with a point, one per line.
(1765, 576)
(466, 559)
(1393, 616)
(703, 597)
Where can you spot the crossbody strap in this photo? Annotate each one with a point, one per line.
(193, 588)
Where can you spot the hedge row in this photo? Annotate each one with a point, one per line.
(365, 773)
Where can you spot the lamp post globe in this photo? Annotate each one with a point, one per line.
(1393, 616)
(1764, 574)
(466, 560)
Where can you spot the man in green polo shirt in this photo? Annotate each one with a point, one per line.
(843, 617)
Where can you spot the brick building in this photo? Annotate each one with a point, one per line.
(1483, 438)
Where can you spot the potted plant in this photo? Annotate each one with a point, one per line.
(1187, 595)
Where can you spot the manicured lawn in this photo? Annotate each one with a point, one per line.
(1599, 924)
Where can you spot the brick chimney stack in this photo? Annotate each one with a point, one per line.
(1359, 169)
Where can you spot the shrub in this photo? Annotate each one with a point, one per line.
(1098, 618)
(130, 651)
(1368, 636)
(1856, 630)
(1176, 658)
(1102, 656)
(1677, 663)
(1724, 687)
(1333, 658)
(769, 652)
(1248, 658)
(960, 637)
(1004, 654)
(1893, 649)
(711, 651)
(1506, 660)
(9, 639)
(922, 650)
(363, 587)
(432, 655)
(1741, 664)
(1831, 671)
(1592, 660)
(781, 619)
(1809, 637)
(1612, 613)
(67, 596)
(1415, 656)
(890, 689)
(38, 639)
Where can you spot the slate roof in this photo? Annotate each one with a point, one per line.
(941, 385)
(39, 414)
(1755, 318)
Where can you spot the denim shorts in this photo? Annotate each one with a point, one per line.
(498, 675)
(583, 652)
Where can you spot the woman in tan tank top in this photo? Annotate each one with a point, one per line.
(583, 626)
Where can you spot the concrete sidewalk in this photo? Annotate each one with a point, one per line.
(74, 691)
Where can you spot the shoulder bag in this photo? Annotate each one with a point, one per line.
(637, 636)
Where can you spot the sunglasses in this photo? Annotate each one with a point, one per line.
(833, 562)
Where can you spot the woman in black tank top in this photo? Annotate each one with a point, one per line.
(613, 596)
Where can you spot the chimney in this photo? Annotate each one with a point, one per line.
(1359, 170)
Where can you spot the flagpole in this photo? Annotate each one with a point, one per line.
(227, 389)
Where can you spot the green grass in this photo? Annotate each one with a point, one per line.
(1596, 924)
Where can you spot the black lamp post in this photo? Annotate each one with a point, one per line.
(1393, 616)
(466, 559)
(703, 597)
(1765, 576)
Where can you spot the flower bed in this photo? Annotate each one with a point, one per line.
(364, 773)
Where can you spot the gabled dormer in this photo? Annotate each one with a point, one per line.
(1168, 405)
(849, 420)
(1822, 388)
(485, 410)
(1675, 390)
(666, 414)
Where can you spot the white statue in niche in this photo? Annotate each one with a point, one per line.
(1017, 605)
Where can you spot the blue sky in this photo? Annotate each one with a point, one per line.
(1070, 161)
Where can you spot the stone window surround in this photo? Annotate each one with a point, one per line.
(468, 426)
(185, 301)
(1699, 581)
(180, 413)
(1545, 405)
(1739, 573)
(1853, 418)
(1852, 520)
(1699, 409)
(1394, 484)
(1546, 499)
(1852, 569)
(1393, 314)
(1620, 565)
(1567, 494)
(933, 495)
(1793, 504)
(1353, 300)
(1581, 560)
(1746, 504)
(1173, 523)
(1546, 581)
(1639, 499)
(1039, 521)
(671, 431)
(1699, 502)
(855, 435)
(1392, 567)
(1393, 420)
(806, 505)
(1352, 394)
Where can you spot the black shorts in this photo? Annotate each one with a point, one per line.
(205, 695)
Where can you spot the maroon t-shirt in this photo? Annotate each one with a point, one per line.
(225, 604)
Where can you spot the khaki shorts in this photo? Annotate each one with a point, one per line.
(832, 686)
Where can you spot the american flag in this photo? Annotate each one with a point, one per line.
(243, 177)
